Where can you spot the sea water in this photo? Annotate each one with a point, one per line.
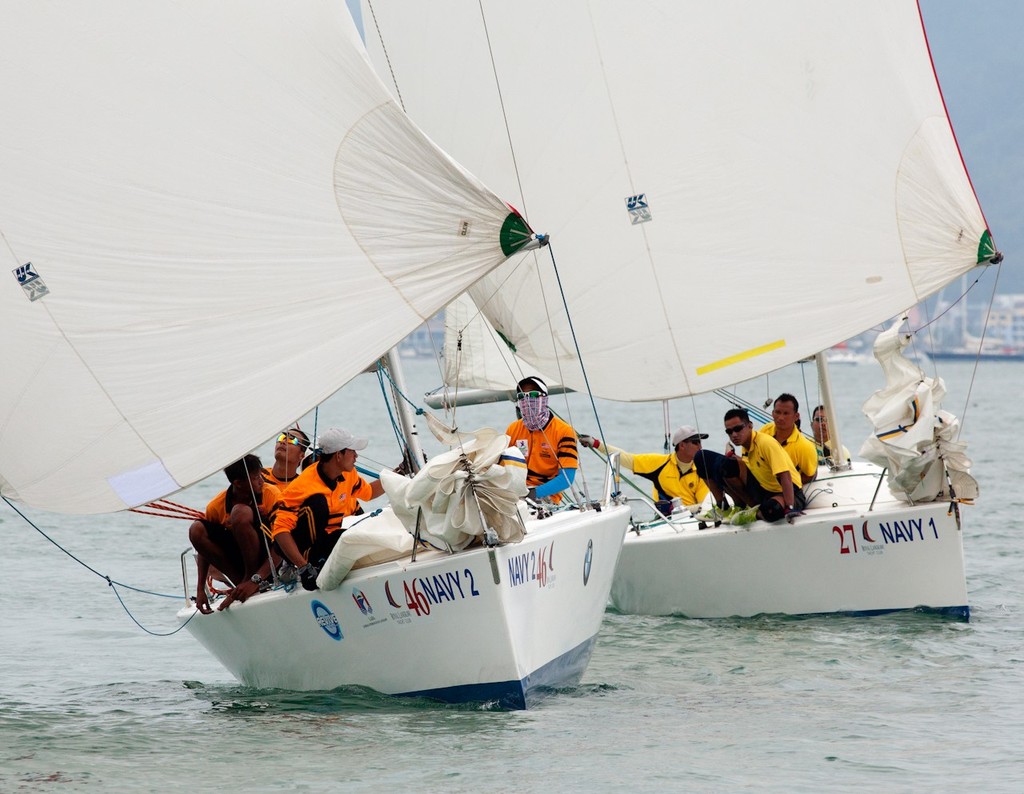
(90, 699)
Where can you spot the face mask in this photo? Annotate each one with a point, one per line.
(535, 411)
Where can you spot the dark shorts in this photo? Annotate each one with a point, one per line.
(310, 531)
(715, 467)
(223, 539)
(712, 467)
(757, 494)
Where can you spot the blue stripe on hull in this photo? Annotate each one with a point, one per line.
(959, 613)
(566, 670)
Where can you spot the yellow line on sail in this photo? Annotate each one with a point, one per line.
(730, 360)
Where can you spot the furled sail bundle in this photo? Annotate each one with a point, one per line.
(460, 494)
(729, 187)
(204, 240)
(914, 439)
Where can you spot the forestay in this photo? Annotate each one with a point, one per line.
(214, 216)
(729, 187)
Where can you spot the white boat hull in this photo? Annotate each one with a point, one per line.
(842, 559)
(498, 625)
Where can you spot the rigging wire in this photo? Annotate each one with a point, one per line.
(112, 583)
(981, 343)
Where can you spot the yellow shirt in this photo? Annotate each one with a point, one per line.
(670, 477)
(801, 451)
(765, 458)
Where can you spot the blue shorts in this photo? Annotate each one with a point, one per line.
(711, 467)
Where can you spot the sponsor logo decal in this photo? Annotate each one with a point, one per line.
(361, 601)
(588, 559)
(30, 281)
(365, 607)
(327, 620)
(533, 566)
(637, 208)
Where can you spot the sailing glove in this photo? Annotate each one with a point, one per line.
(307, 575)
(589, 441)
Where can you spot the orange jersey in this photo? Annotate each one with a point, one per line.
(219, 508)
(546, 451)
(341, 495)
(277, 482)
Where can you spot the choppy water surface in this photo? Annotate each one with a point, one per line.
(88, 700)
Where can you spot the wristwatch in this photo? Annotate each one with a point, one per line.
(256, 579)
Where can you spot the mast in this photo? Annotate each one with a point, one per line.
(835, 443)
(405, 416)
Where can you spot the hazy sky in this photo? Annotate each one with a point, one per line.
(976, 47)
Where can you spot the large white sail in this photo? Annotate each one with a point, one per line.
(213, 216)
(729, 186)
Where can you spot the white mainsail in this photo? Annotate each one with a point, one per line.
(214, 216)
(729, 187)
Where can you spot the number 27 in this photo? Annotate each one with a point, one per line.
(846, 531)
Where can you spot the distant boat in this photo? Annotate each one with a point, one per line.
(847, 358)
(963, 353)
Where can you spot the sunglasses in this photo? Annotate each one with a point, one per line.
(695, 441)
(531, 394)
(735, 429)
(295, 441)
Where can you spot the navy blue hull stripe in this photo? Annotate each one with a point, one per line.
(564, 671)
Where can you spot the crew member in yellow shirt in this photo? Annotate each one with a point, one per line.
(673, 474)
(785, 428)
(765, 476)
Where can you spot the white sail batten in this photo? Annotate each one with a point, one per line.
(729, 187)
(203, 242)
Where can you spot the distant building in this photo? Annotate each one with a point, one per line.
(1006, 321)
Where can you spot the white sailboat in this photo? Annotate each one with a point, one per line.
(731, 188)
(214, 217)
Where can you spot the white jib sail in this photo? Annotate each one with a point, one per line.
(729, 186)
(476, 357)
(213, 216)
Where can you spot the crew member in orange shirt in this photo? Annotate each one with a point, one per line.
(548, 444)
(231, 536)
(308, 521)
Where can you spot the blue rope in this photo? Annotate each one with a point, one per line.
(381, 370)
(381, 373)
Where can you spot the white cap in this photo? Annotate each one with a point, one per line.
(542, 387)
(336, 439)
(685, 432)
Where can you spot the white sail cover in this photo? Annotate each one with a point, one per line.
(213, 216)
(914, 438)
(729, 186)
(456, 491)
